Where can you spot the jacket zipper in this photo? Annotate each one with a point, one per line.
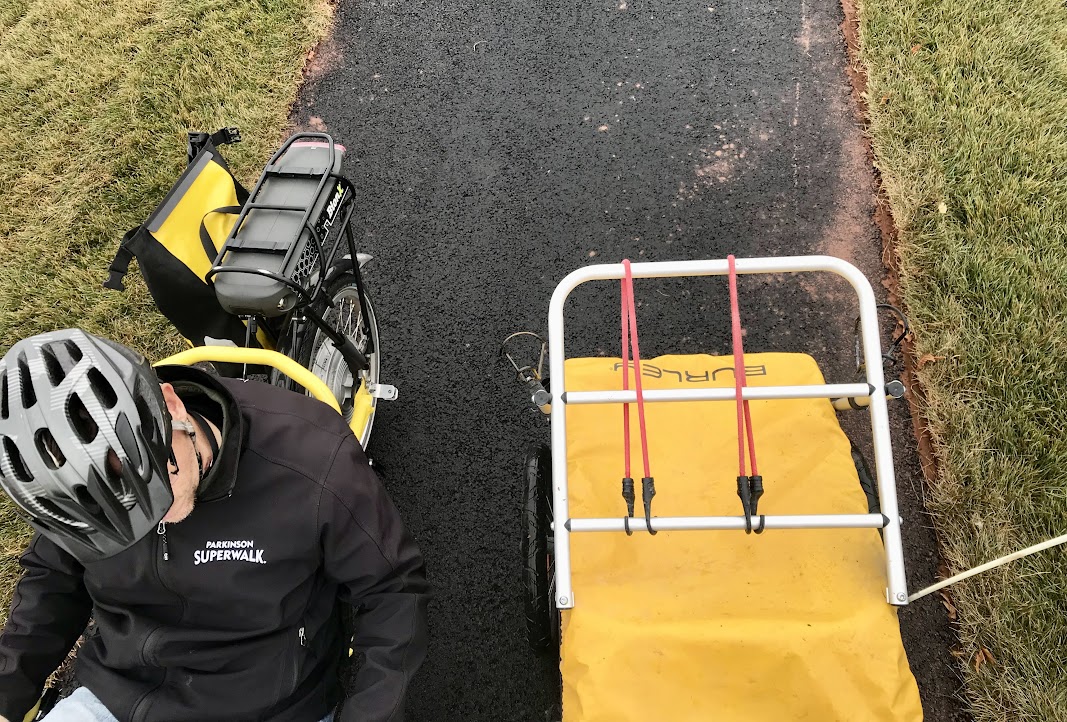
(161, 530)
(297, 659)
(164, 556)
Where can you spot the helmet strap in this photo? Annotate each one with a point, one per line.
(205, 426)
(190, 430)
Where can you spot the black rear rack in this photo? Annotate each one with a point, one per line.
(282, 245)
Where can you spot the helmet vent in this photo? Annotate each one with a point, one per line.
(49, 449)
(102, 388)
(74, 350)
(52, 366)
(57, 518)
(86, 500)
(113, 472)
(29, 398)
(4, 409)
(124, 431)
(80, 420)
(146, 420)
(15, 458)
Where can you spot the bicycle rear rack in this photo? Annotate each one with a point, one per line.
(285, 245)
(293, 272)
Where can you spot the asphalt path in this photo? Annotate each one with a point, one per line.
(498, 146)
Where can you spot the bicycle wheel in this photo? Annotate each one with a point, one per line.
(325, 361)
(535, 545)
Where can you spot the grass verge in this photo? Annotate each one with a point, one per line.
(968, 118)
(95, 100)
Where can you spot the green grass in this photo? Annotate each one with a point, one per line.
(95, 100)
(968, 107)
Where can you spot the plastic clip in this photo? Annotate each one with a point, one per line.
(744, 492)
(195, 142)
(648, 490)
(629, 497)
(228, 135)
(756, 484)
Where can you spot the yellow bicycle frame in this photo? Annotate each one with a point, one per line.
(32, 713)
(362, 406)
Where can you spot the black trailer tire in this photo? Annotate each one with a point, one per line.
(867, 480)
(542, 618)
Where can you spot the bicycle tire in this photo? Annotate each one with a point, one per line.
(318, 355)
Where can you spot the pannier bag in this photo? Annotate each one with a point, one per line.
(176, 246)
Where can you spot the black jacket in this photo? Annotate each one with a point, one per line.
(241, 620)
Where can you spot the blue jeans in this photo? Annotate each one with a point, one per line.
(83, 706)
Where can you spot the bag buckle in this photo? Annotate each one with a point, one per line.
(227, 136)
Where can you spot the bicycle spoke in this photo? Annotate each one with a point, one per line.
(346, 316)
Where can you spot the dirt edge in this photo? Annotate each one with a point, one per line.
(323, 58)
(883, 216)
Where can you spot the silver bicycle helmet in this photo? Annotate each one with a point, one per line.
(84, 441)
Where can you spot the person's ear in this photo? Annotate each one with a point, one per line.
(174, 404)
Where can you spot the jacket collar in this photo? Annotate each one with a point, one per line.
(190, 382)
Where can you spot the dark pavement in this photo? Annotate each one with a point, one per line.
(498, 146)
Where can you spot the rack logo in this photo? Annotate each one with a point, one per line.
(326, 223)
(228, 551)
(335, 201)
(655, 372)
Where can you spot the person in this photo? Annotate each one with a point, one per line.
(213, 529)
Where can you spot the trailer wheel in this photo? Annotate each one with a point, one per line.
(867, 481)
(542, 617)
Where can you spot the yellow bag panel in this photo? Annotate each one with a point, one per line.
(719, 625)
(180, 232)
(212, 188)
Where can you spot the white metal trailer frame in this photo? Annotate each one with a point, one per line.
(872, 392)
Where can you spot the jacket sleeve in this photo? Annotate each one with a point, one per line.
(379, 571)
(49, 611)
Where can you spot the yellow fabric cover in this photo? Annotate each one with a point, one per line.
(719, 625)
(212, 188)
(180, 232)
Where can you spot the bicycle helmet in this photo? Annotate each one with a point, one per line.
(84, 441)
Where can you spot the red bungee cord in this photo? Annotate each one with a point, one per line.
(749, 487)
(629, 337)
